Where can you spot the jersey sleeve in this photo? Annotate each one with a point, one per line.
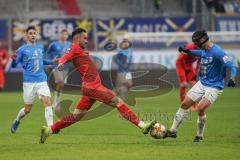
(69, 55)
(227, 61)
(18, 59)
(196, 52)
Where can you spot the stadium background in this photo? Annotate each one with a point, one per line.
(109, 136)
(108, 19)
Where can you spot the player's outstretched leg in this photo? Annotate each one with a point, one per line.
(81, 109)
(105, 95)
(57, 126)
(20, 115)
(129, 115)
(179, 117)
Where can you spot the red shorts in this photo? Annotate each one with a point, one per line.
(90, 95)
(2, 81)
(185, 75)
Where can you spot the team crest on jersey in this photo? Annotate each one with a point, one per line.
(227, 59)
(206, 60)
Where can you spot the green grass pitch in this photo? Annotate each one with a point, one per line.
(110, 137)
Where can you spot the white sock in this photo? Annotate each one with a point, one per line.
(49, 115)
(141, 124)
(201, 125)
(21, 114)
(180, 115)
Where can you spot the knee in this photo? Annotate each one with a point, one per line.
(46, 101)
(115, 100)
(186, 104)
(201, 112)
(27, 109)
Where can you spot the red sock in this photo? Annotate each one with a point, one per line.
(63, 123)
(127, 113)
(182, 92)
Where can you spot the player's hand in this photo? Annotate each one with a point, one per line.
(181, 49)
(60, 66)
(231, 83)
(55, 61)
(13, 55)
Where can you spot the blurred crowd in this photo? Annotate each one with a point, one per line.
(223, 6)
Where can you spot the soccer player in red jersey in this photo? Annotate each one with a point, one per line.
(4, 57)
(186, 72)
(92, 89)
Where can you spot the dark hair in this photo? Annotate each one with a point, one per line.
(78, 31)
(64, 30)
(30, 27)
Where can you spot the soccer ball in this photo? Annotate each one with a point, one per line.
(158, 131)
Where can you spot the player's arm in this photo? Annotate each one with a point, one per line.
(228, 62)
(50, 62)
(16, 58)
(187, 51)
(68, 56)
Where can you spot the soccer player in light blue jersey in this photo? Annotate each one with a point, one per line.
(214, 62)
(34, 78)
(123, 61)
(56, 50)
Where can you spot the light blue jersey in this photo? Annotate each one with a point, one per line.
(56, 50)
(213, 66)
(31, 57)
(124, 59)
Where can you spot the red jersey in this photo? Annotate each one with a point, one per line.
(3, 58)
(186, 60)
(84, 65)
